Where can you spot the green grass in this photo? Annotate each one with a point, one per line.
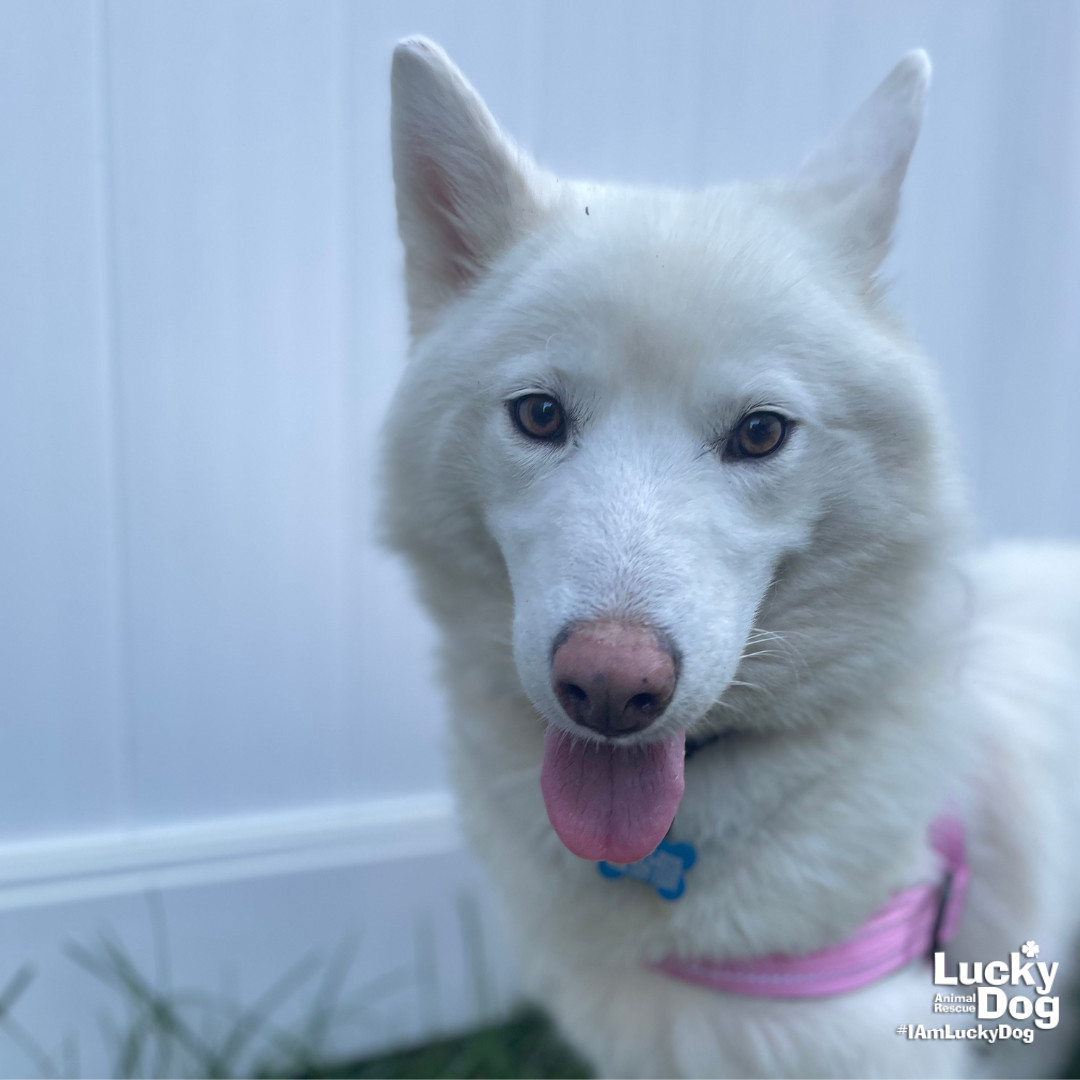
(169, 1032)
(523, 1046)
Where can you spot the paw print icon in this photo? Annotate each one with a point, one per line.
(1030, 949)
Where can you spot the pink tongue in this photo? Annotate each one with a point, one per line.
(611, 802)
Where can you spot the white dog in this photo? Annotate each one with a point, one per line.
(676, 487)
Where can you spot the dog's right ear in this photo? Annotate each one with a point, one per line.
(465, 193)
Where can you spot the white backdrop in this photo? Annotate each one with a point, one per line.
(211, 682)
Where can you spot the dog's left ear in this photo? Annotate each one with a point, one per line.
(851, 184)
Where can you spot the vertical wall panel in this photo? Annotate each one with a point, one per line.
(1026, 475)
(60, 692)
(227, 142)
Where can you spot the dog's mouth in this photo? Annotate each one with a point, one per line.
(608, 801)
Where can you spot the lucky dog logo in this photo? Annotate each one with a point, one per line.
(1019, 988)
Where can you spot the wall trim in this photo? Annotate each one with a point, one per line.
(81, 867)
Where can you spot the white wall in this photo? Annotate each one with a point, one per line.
(200, 325)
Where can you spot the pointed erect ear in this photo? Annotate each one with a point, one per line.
(464, 192)
(852, 182)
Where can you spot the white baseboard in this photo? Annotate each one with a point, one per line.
(236, 902)
(73, 868)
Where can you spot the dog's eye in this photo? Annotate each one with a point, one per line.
(539, 417)
(758, 434)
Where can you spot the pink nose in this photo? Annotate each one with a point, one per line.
(613, 677)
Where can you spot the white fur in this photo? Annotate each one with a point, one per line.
(827, 610)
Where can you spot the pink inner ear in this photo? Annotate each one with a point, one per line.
(460, 263)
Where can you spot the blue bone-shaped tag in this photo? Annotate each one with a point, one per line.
(664, 869)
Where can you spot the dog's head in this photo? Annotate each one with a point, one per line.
(677, 429)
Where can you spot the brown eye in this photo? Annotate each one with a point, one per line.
(758, 434)
(539, 417)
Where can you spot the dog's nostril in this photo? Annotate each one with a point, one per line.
(643, 703)
(574, 693)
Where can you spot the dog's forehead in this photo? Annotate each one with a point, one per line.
(669, 290)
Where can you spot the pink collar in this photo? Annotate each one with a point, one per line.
(911, 925)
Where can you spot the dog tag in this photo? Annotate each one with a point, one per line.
(665, 869)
